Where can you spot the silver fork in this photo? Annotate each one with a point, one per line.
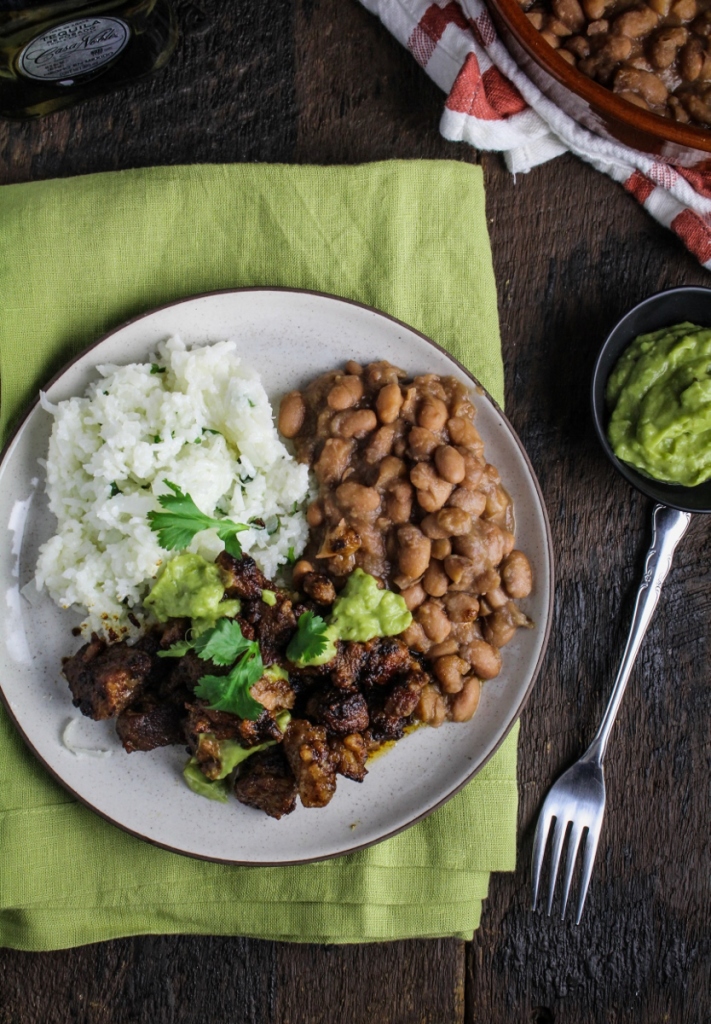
(577, 799)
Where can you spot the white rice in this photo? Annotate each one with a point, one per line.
(205, 424)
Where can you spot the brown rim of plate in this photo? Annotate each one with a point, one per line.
(549, 615)
(592, 92)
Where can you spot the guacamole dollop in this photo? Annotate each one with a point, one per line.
(190, 587)
(659, 394)
(362, 611)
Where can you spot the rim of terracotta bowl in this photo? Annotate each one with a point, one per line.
(599, 97)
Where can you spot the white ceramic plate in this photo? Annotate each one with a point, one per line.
(289, 336)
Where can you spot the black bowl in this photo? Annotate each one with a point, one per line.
(661, 310)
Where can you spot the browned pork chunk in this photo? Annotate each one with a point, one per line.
(148, 725)
(350, 755)
(265, 781)
(104, 680)
(340, 711)
(311, 760)
(242, 577)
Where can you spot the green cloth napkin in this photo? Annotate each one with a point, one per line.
(78, 257)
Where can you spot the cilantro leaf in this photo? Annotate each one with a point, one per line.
(155, 368)
(310, 641)
(291, 556)
(182, 520)
(176, 650)
(232, 692)
(222, 644)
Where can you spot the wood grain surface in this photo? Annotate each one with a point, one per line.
(321, 81)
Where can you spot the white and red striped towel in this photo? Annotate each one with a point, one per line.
(493, 105)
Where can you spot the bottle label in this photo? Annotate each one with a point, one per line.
(74, 48)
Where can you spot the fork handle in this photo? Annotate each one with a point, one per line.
(668, 527)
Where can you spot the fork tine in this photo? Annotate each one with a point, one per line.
(588, 861)
(576, 834)
(561, 827)
(539, 849)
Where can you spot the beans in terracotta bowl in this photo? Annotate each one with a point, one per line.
(635, 72)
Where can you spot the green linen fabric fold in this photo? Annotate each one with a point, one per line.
(78, 257)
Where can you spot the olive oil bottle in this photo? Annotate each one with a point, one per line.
(53, 54)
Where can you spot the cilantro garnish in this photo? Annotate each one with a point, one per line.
(177, 650)
(309, 641)
(182, 520)
(232, 692)
(155, 368)
(115, 489)
(291, 556)
(225, 644)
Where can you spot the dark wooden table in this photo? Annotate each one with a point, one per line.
(321, 81)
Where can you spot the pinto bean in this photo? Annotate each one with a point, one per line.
(461, 607)
(448, 646)
(416, 638)
(300, 569)
(449, 670)
(484, 659)
(473, 502)
(498, 629)
(435, 581)
(388, 403)
(314, 514)
(421, 443)
(465, 703)
(463, 432)
(516, 575)
(570, 12)
(441, 548)
(414, 553)
(431, 708)
(345, 392)
(359, 501)
(635, 23)
(432, 490)
(333, 460)
(454, 522)
(457, 568)
(354, 423)
(380, 373)
(398, 502)
(432, 414)
(380, 445)
(354, 368)
(413, 596)
(432, 529)
(647, 85)
(450, 464)
(391, 469)
(595, 9)
(496, 598)
(434, 621)
(292, 413)
(665, 45)
(691, 60)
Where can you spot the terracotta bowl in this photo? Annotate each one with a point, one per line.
(594, 106)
